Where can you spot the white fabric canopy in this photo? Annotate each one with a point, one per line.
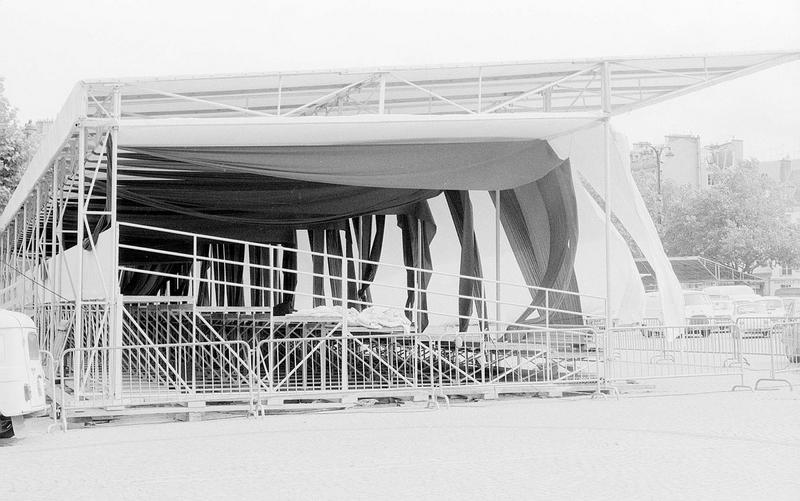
(585, 150)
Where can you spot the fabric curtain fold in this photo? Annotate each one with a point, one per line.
(371, 249)
(417, 229)
(470, 290)
(540, 220)
(488, 164)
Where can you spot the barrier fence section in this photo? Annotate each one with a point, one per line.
(751, 345)
(657, 351)
(157, 374)
(341, 361)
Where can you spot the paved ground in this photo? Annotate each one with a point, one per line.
(674, 443)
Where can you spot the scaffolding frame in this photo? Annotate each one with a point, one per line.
(52, 206)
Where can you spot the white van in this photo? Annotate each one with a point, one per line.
(21, 375)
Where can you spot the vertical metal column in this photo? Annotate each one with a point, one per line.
(606, 101)
(23, 265)
(195, 297)
(116, 304)
(382, 94)
(78, 330)
(53, 272)
(37, 277)
(498, 308)
(343, 293)
(15, 250)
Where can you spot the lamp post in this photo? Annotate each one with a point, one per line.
(659, 150)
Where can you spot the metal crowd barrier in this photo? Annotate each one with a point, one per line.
(440, 364)
(155, 374)
(784, 352)
(658, 351)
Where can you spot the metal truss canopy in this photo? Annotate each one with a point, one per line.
(549, 86)
(585, 89)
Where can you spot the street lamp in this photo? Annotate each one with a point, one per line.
(659, 150)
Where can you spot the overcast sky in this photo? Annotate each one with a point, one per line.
(46, 46)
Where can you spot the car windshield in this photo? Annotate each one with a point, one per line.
(695, 299)
(751, 307)
(772, 304)
(721, 305)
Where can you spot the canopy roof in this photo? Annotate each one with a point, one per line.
(452, 103)
(550, 86)
(696, 269)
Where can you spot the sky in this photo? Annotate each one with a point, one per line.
(47, 46)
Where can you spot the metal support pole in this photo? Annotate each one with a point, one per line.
(607, 188)
(78, 330)
(606, 101)
(24, 262)
(418, 281)
(497, 228)
(116, 304)
(53, 272)
(343, 294)
(480, 89)
(37, 257)
(382, 94)
(14, 250)
(195, 297)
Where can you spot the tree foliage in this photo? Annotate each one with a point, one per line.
(16, 145)
(741, 221)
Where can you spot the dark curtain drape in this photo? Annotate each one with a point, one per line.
(371, 249)
(260, 276)
(464, 165)
(418, 229)
(232, 273)
(544, 244)
(470, 290)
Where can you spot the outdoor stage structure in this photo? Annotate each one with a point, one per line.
(167, 229)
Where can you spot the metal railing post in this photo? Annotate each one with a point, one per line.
(344, 329)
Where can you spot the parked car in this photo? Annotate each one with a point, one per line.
(698, 315)
(21, 375)
(699, 312)
(723, 315)
(775, 307)
(752, 318)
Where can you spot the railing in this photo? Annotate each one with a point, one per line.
(158, 374)
(336, 363)
(650, 352)
(488, 312)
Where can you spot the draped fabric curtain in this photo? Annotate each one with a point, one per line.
(358, 234)
(260, 276)
(223, 270)
(266, 194)
(478, 165)
(371, 249)
(540, 220)
(418, 229)
(470, 290)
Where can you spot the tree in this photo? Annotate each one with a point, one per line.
(741, 221)
(16, 146)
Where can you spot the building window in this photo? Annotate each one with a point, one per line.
(786, 270)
